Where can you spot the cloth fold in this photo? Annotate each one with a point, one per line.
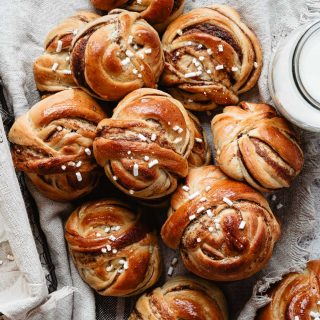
(22, 278)
(24, 25)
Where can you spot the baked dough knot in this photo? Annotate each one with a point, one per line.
(224, 229)
(112, 247)
(296, 296)
(116, 54)
(182, 298)
(144, 147)
(52, 69)
(254, 144)
(158, 13)
(211, 57)
(52, 144)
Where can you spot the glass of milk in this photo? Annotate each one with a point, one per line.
(294, 77)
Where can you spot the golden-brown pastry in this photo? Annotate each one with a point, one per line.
(115, 55)
(254, 144)
(224, 229)
(145, 145)
(296, 297)
(52, 69)
(182, 298)
(159, 13)
(112, 247)
(52, 144)
(200, 154)
(211, 57)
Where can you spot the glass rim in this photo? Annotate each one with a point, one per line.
(295, 65)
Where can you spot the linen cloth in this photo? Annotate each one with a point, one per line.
(24, 25)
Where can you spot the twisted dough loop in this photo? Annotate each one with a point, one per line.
(47, 79)
(254, 144)
(182, 298)
(296, 296)
(211, 57)
(112, 248)
(157, 12)
(215, 244)
(149, 130)
(52, 144)
(115, 55)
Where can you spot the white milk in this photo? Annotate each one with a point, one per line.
(294, 78)
(309, 65)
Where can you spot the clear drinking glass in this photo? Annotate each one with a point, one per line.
(294, 77)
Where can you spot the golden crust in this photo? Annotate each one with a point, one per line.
(115, 55)
(52, 137)
(219, 54)
(146, 123)
(256, 145)
(182, 298)
(158, 13)
(212, 244)
(122, 260)
(296, 296)
(48, 80)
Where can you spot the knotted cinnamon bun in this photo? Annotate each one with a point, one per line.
(52, 144)
(182, 298)
(256, 145)
(211, 57)
(52, 69)
(296, 297)
(224, 229)
(113, 249)
(159, 13)
(144, 147)
(115, 55)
